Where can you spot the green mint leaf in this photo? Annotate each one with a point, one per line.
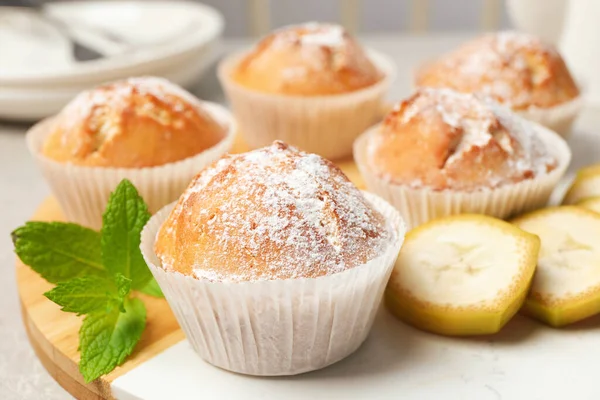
(152, 289)
(123, 220)
(107, 338)
(87, 294)
(59, 251)
(123, 286)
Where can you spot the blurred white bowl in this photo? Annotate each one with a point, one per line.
(543, 18)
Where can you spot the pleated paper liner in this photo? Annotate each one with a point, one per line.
(325, 125)
(419, 205)
(278, 327)
(559, 118)
(83, 191)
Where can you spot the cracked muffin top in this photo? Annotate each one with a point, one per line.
(442, 139)
(272, 213)
(515, 69)
(134, 123)
(307, 60)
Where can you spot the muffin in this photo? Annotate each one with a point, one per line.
(147, 130)
(310, 85)
(137, 123)
(515, 69)
(307, 60)
(441, 152)
(273, 261)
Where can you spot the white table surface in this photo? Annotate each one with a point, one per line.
(22, 188)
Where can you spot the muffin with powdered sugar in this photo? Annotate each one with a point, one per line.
(442, 152)
(144, 129)
(311, 85)
(273, 261)
(516, 69)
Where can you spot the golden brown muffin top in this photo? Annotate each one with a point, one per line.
(273, 213)
(442, 139)
(307, 60)
(514, 68)
(134, 123)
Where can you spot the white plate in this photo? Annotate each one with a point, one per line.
(172, 39)
(34, 104)
(162, 33)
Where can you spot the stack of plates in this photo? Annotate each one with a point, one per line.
(39, 70)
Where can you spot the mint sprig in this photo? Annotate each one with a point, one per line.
(95, 274)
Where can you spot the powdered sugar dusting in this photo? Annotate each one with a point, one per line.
(477, 122)
(307, 59)
(314, 34)
(534, 155)
(330, 36)
(117, 96)
(507, 41)
(322, 47)
(498, 64)
(274, 213)
(460, 111)
(297, 72)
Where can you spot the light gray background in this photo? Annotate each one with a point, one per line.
(375, 15)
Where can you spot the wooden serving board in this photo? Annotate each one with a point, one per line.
(54, 334)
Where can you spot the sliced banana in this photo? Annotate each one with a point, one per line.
(585, 185)
(462, 275)
(592, 204)
(590, 170)
(566, 285)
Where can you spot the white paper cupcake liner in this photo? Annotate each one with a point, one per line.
(326, 125)
(559, 118)
(278, 327)
(419, 205)
(83, 192)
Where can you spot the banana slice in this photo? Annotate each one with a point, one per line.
(585, 185)
(566, 285)
(590, 170)
(592, 204)
(462, 275)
